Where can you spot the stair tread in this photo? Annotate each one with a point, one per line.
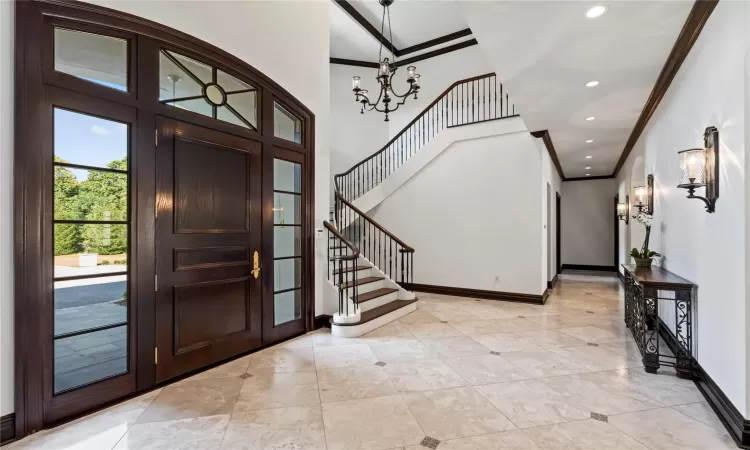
(375, 294)
(377, 312)
(361, 281)
(352, 269)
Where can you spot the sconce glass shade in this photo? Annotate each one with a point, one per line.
(622, 210)
(355, 82)
(693, 167)
(416, 79)
(639, 192)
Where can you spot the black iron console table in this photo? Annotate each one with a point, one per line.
(646, 289)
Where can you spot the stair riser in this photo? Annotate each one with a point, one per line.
(380, 301)
(363, 273)
(359, 330)
(362, 288)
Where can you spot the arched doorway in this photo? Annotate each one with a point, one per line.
(164, 209)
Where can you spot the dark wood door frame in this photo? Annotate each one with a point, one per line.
(558, 226)
(35, 75)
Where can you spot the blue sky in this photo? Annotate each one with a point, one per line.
(88, 140)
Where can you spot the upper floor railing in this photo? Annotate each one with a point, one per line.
(473, 100)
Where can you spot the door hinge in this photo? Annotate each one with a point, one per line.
(156, 137)
(156, 283)
(156, 355)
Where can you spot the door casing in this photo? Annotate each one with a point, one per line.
(35, 75)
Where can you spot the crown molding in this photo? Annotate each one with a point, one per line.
(413, 59)
(694, 23)
(375, 33)
(547, 139)
(598, 177)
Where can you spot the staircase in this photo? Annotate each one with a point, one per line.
(369, 267)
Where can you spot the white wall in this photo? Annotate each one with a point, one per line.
(287, 41)
(472, 215)
(707, 249)
(587, 221)
(552, 178)
(6, 207)
(354, 136)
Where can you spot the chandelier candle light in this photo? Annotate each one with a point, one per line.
(386, 70)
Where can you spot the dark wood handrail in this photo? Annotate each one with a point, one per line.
(424, 111)
(406, 248)
(349, 245)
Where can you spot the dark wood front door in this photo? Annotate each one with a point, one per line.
(208, 230)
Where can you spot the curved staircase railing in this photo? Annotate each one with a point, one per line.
(472, 100)
(383, 249)
(342, 259)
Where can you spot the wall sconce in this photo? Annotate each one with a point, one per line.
(623, 209)
(644, 196)
(699, 167)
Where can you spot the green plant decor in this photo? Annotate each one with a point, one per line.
(645, 256)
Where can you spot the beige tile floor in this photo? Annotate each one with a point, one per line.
(457, 374)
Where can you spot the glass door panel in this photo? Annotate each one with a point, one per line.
(287, 222)
(91, 224)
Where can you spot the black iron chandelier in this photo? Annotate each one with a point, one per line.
(386, 71)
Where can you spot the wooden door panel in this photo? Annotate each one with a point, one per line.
(209, 257)
(208, 226)
(210, 188)
(198, 324)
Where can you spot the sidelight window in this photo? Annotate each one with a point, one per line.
(287, 223)
(90, 243)
(194, 86)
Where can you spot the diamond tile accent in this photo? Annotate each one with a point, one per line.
(593, 344)
(245, 376)
(495, 353)
(443, 321)
(599, 417)
(380, 363)
(590, 312)
(430, 442)
(521, 317)
(588, 293)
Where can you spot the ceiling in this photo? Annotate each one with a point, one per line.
(546, 51)
(350, 40)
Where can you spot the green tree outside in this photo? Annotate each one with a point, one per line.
(102, 196)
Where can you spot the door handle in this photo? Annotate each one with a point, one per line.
(256, 265)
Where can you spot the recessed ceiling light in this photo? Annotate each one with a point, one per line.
(588, 174)
(588, 167)
(589, 141)
(589, 156)
(596, 11)
(590, 118)
(592, 83)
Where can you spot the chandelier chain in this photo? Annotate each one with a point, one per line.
(390, 32)
(386, 70)
(382, 36)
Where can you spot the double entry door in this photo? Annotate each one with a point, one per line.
(227, 246)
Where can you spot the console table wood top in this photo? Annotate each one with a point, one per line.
(657, 278)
